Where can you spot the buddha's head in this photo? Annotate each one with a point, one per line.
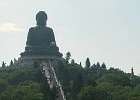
(41, 18)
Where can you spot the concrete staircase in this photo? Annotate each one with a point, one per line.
(48, 70)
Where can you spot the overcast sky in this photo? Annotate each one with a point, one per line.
(103, 30)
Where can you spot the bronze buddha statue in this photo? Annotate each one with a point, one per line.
(41, 39)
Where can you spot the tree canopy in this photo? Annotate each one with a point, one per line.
(79, 83)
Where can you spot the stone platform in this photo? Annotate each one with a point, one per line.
(29, 60)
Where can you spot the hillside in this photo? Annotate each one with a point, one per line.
(93, 83)
(24, 84)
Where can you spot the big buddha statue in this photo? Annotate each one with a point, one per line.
(41, 39)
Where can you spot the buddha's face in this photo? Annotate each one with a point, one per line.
(41, 18)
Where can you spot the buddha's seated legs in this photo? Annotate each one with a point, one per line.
(41, 50)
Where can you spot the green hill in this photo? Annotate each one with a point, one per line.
(24, 84)
(93, 83)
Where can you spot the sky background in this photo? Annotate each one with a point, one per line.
(103, 30)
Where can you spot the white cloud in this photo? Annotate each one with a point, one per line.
(10, 27)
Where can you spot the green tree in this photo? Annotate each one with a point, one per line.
(3, 85)
(11, 63)
(137, 90)
(26, 91)
(94, 65)
(87, 93)
(98, 64)
(3, 64)
(72, 61)
(87, 63)
(90, 81)
(77, 83)
(103, 66)
(54, 93)
(68, 56)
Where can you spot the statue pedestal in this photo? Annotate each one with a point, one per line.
(42, 50)
(39, 54)
(28, 61)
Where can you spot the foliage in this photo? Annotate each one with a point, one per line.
(24, 84)
(97, 83)
(3, 64)
(86, 93)
(68, 56)
(11, 63)
(87, 63)
(93, 83)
